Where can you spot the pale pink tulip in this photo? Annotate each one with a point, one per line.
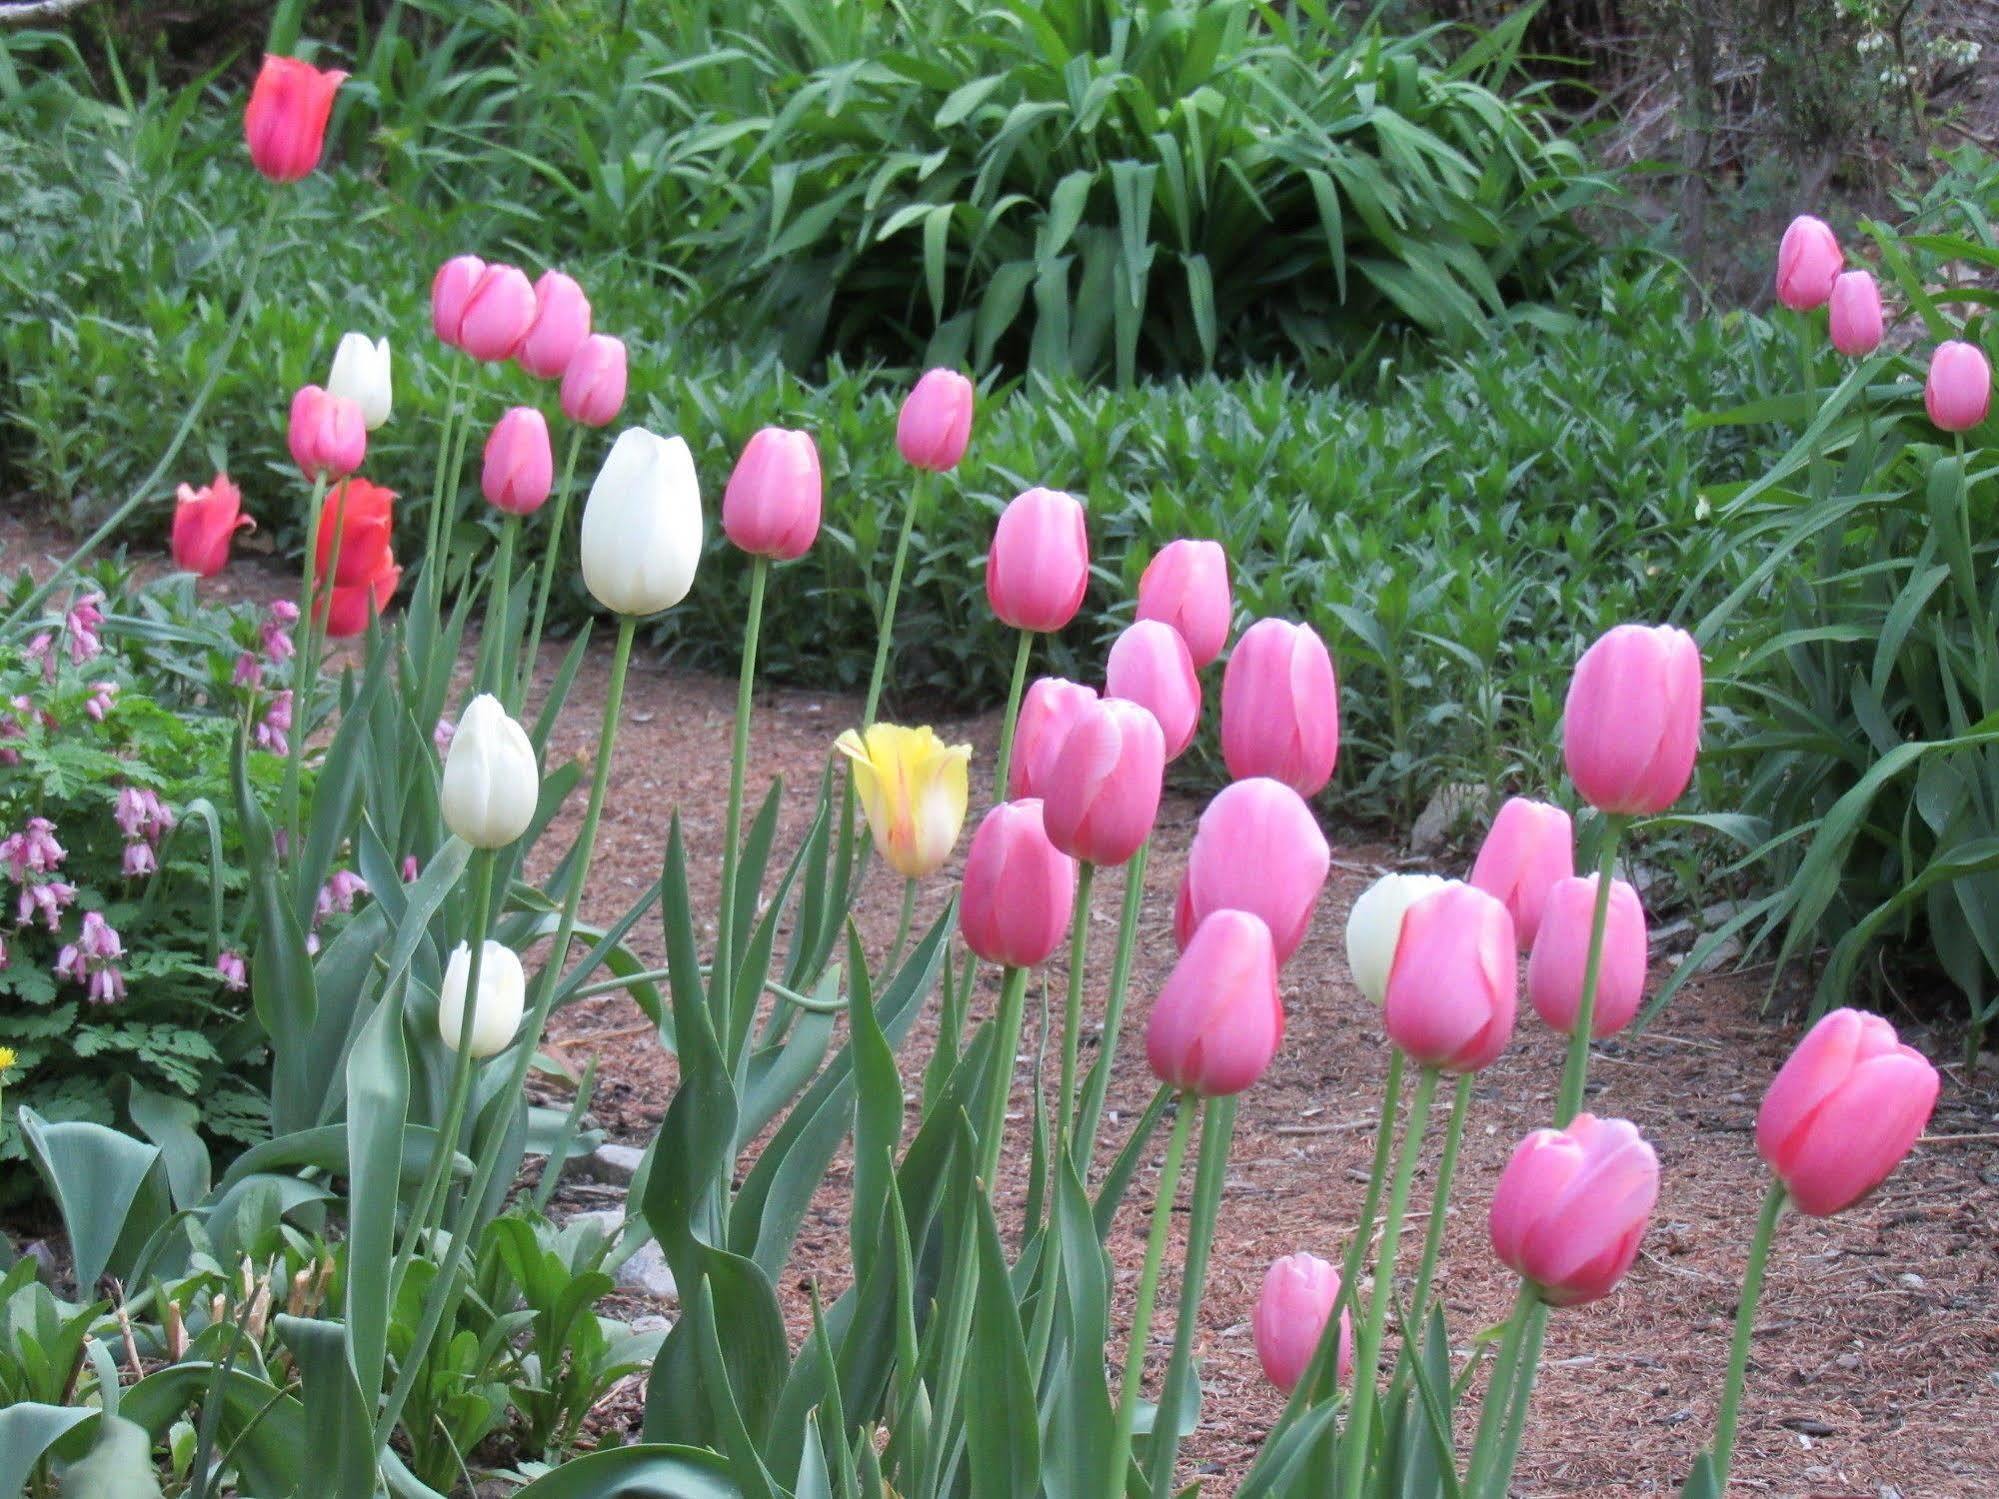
(1039, 566)
(1281, 707)
(1529, 847)
(1561, 954)
(561, 323)
(1452, 989)
(1186, 585)
(1572, 1206)
(1958, 393)
(1149, 665)
(1102, 794)
(1051, 705)
(1809, 260)
(1020, 890)
(327, 434)
(1855, 316)
(935, 422)
(1258, 848)
(1632, 724)
(593, 386)
(519, 467)
(1299, 1292)
(1218, 1021)
(771, 507)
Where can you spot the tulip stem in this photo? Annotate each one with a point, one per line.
(886, 634)
(1210, 1174)
(559, 521)
(447, 431)
(1745, 1327)
(1440, 1202)
(305, 674)
(500, 648)
(1361, 1418)
(445, 1289)
(1099, 1080)
(1004, 768)
(219, 361)
(1384, 1144)
(732, 825)
(1188, 1112)
(903, 922)
(1493, 1415)
(1575, 1072)
(1072, 1009)
(1533, 1328)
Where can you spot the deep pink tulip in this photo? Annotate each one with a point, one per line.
(771, 507)
(1186, 585)
(1258, 848)
(1299, 1292)
(1020, 890)
(1561, 954)
(1855, 315)
(1572, 1207)
(1281, 707)
(1051, 705)
(1039, 565)
(1958, 393)
(498, 312)
(935, 422)
(450, 290)
(285, 121)
(1809, 260)
(327, 435)
(1218, 1020)
(1633, 720)
(1102, 794)
(593, 386)
(520, 465)
(1843, 1111)
(561, 323)
(1149, 665)
(1530, 846)
(1452, 987)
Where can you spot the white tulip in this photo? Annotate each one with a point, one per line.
(502, 999)
(642, 525)
(361, 375)
(1374, 926)
(491, 781)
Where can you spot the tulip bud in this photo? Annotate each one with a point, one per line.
(1299, 1292)
(1561, 954)
(450, 291)
(1530, 846)
(1281, 707)
(1218, 1020)
(1186, 585)
(1374, 926)
(284, 123)
(499, 309)
(771, 507)
(491, 782)
(1856, 314)
(1633, 720)
(1020, 890)
(935, 422)
(361, 374)
(1103, 790)
(1958, 393)
(502, 999)
(1149, 665)
(593, 386)
(1572, 1206)
(913, 788)
(1257, 848)
(1843, 1111)
(205, 522)
(641, 537)
(328, 435)
(519, 469)
(1452, 987)
(1039, 567)
(561, 323)
(1052, 704)
(1809, 260)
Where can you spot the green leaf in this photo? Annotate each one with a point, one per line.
(27, 1432)
(120, 1466)
(649, 1470)
(340, 1441)
(110, 1189)
(378, 1086)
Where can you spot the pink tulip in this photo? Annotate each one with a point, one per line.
(1958, 393)
(561, 323)
(327, 435)
(1633, 719)
(1102, 794)
(1843, 1111)
(1856, 314)
(1561, 953)
(1039, 565)
(1531, 845)
(1051, 705)
(450, 290)
(285, 121)
(771, 507)
(935, 423)
(520, 466)
(1281, 707)
(1451, 989)
(1149, 665)
(206, 521)
(593, 386)
(1186, 585)
(1299, 1292)
(1257, 848)
(1218, 1020)
(1572, 1207)
(1809, 260)
(1020, 890)
(497, 314)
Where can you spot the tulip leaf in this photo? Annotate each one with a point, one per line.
(650, 1470)
(334, 790)
(111, 1190)
(120, 1466)
(378, 1092)
(27, 1432)
(1703, 1481)
(340, 1439)
(282, 988)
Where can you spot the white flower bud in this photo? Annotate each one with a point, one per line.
(491, 782)
(361, 375)
(1374, 926)
(642, 525)
(502, 999)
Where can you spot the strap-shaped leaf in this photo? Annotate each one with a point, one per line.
(110, 1189)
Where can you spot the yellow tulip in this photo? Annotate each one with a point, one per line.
(913, 788)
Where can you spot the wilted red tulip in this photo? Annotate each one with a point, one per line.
(1572, 1206)
(285, 121)
(205, 522)
(593, 386)
(1843, 1111)
(1281, 707)
(1561, 956)
(771, 507)
(1186, 585)
(935, 422)
(1149, 665)
(1020, 890)
(328, 434)
(1051, 705)
(561, 323)
(1529, 846)
(1633, 720)
(1299, 1292)
(1452, 989)
(519, 468)
(1102, 794)
(1855, 316)
(1258, 848)
(1809, 260)
(1218, 1021)
(1039, 566)
(1958, 392)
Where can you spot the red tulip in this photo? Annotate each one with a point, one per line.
(1218, 1021)
(362, 515)
(1020, 890)
(561, 323)
(1633, 720)
(1843, 1111)
(519, 469)
(771, 507)
(1809, 260)
(1281, 707)
(1039, 566)
(1572, 1207)
(1257, 848)
(1299, 1292)
(1451, 989)
(206, 520)
(1561, 955)
(285, 121)
(1855, 317)
(1051, 705)
(1186, 585)
(593, 386)
(1958, 393)
(935, 422)
(1531, 845)
(1102, 794)
(1149, 665)
(328, 434)
(349, 607)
